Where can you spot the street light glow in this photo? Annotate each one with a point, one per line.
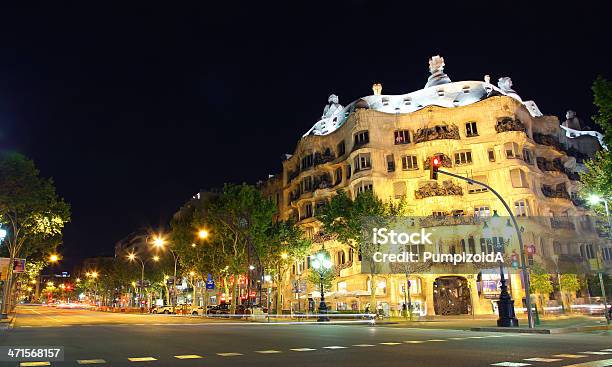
(155, 258)
(192, 273)
(284, 256)
(53, 258)
(131, 256)
(203, 234)
(594, 199)
(159, 242)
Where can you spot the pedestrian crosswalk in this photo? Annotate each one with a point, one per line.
(535, 361)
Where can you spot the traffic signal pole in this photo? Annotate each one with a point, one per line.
(435, 170)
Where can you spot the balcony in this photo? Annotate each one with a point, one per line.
(551, 166)
(436, 132)
(556, 193)
(448, 188)
(509, 124)
(438, 221)
(562, 223)
(322, 158)
(549, 140)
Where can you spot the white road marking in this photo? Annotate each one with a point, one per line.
(271, 351)
(414, 341)
(436, 340)
(363, 345)
(302, 349)
(142, 359)
(90, 361)
(606, 350)
(569, 356)
(335, 347)
(32, 364)
(600, 363)
(188, 356)
(390, 343)
(230, 354)
(464, 338)
(597, 353)
(537, 359)
(511, 364)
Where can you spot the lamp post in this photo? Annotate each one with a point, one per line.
(505, 305)
(321, 263)
(133, 257)
(160, 243)
(594, 199)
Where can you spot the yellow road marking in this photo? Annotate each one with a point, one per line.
(90, 361)
(141, 359)
(188, 356)
(436, 340)
(390, 343)
(414, 341)
(268, 351)
(31, 364)
(229, 354)
(569, 356)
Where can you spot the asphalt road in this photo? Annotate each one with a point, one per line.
(105, 339)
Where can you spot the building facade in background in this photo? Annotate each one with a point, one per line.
(483, 131)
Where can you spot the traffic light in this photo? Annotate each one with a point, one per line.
(434, 165)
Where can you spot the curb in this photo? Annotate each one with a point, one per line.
(564, 330)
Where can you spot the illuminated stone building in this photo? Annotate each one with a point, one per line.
(484, 131)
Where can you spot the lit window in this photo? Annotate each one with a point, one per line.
(512, 150)
(527, 156)
(362, 162)
(409, 162)
(390, 163)
(342, 287)
(482, 211)
(463, 158)
(471, 129)
(491, 154)
(362, 137)
(518, 178)
(363, 186)
(402, 136)
(307, 184)
(307, 161)
(521, 208)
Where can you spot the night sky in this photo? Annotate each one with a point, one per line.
(132, 110)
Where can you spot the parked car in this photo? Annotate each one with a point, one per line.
(197, 311)
(167, 309)
(222, 309)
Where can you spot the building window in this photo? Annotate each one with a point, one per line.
(482, 211)
(362, 137)
(521, 208)
(527, 156)
(471, 245)
(363, 186)
(409, 162)
(402, 136)
(474, 188)
(348, 171)
(307, 184)
(340, 258)
(399, 189)
(518, 178)
(341, 148)
(512, 150)
(307, 211)
(586, 251)
(338, 176)
(350, 255)
(320, 205)
(491, 154)
(390, 163)
(462, 158)
(471, 129)
(307, 161)
(362, 162)
(606, 253)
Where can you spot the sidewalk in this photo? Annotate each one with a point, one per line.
(548, 325)
(7, 323)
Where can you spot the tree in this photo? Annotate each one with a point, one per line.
(568, 283)
(596, 179)
(284, 245)
(240, 219)
(30, 208)
(351, 221)
(540, 283)
(322, 276)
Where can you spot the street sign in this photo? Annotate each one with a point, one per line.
(209, 277)
(210, 285)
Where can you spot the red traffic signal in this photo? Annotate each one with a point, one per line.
(434, 165)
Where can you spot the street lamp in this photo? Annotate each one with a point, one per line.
(505, 305)
(53, 258)
(133, 257)
(160, 243)
(203, 234)
(321, 263)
